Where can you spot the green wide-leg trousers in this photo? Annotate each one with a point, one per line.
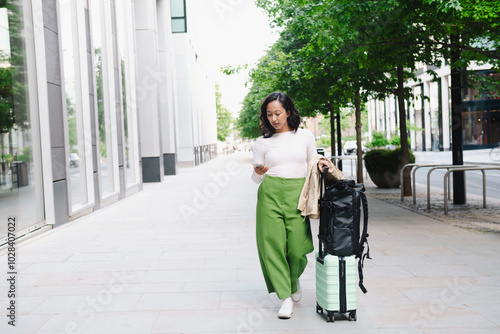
(283, 236)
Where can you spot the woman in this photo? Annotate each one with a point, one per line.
(280, 158)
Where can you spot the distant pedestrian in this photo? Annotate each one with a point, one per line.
(280, 160)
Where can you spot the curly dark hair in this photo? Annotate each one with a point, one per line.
(293, 120)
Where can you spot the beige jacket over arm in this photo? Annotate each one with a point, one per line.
(308, 202)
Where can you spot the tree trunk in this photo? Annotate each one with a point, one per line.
(456, 123)
(359, 151)
(339, 140)
(405, 153)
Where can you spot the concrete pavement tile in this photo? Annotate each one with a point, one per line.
(84, 278)
(489, 281)
(417, 282)
(107, 266)
(250, 275)
(428, 315)
(455, 294)
(47, 267)
(249, 299)
(303, 319)
(436, 270)
(189, 255)
(25, 256)
(233, 263)
(179, 301)
(195, 275)
(25, 323)
(101, 323)
(488, 310)
(383, 296)
(389, 260)
(462, 331)
(24, 304)
(63, 246)
(162, 287)
(104, 300)
(226, 286)
(149, 265)
(391, 272)
(59, 290)
(242, 254)
(145, 253)
(202, 321)
(230, 247)
(359, 331)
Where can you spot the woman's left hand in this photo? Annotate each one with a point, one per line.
(323, 163)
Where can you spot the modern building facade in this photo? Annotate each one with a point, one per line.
(96, 97)
(429, 112)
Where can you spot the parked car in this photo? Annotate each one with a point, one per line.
(351, 146)
(74, 160)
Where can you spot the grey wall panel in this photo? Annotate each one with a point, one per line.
(94, 160)
(123, 190)
(55, 115)
(52, 57)
(87, 28)
(93, 130)
(151, 169)
(61, 202)
(97, 195)
(50, 15)
(121, 158)
(169, 163)
(58, 163)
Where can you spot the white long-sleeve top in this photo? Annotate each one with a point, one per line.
(286, 154)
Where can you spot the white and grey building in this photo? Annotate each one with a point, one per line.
(96, 97)
(430, 112)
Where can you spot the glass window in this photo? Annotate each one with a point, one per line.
(178, 12)
(77, 153)
(435, 115)
(125, 52)
(104, 81)
(21, 190)
(419, 119)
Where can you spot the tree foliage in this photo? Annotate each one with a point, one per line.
(224, 117)
(337, 53)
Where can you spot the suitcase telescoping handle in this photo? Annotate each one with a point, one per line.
(323, 181)
(322, 187)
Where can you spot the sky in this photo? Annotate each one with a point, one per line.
(229, 32)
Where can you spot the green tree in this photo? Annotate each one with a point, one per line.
(224, 117)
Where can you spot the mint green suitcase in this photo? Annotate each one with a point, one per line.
(336, 285)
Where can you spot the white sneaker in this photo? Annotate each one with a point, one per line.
(286, 309)
(297, 296)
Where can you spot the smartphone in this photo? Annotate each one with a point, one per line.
(257, 165)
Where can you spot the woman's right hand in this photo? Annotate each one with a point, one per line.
(261, 170)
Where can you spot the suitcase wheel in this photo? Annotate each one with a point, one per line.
(319, 308)
(330, 317)
(352, 316)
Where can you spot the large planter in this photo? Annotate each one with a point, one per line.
(383, 167)
(386, 180)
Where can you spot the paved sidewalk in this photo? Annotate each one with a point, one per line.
(180, 257)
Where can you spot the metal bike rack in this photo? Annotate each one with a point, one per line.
(449, 167)
(414, 170)
(446, 182)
